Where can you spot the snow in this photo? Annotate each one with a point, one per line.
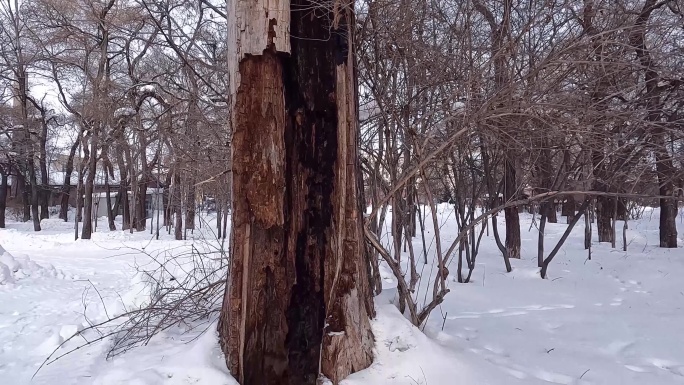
(614, 319)
(148, 88)
(12, 268)
(124, 112)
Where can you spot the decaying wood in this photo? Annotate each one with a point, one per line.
(254, 26)
(298, 301)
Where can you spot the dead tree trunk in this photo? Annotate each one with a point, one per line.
(298, 300)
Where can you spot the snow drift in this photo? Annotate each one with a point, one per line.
(12, 269)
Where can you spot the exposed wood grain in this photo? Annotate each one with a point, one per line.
(298, 301)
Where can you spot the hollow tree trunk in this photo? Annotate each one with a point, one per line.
(298, 300)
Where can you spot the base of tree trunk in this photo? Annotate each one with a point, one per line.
(604, 219)
(512, 232)
(668, 224)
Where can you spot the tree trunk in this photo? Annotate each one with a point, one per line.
(547, 209)
(398, 235)
(176, 204)
(298, 300)
(540, 239)
(655, 105)
(122, 155)
(604, 222)
(219, 216)
(190, 205)
(44, 191)
(604, 204)
(511, 213)
(3, 199)
(125, 206)
(552, 214)
(87, 230)
(568, 209)
(587, 228)
(79, 201)
(35, 194)
(166, 200)
(668, 207)
(108, 196)
(66, 188)
(140, 203)
(25, 192)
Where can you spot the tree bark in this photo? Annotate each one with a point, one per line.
(108, 197)
(140, 203)
(664, 166)
(87, 230)
(176, 204)
(122, 198)
(604, 204)
(166, 200)
(191, 197)
(35, 193)
(44, 190)
(298, 300)
(69, 169)
(511, 213)
(3, 199)
(25, 192)
(568, 208)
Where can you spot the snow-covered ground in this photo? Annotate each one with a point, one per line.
(615, 319)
